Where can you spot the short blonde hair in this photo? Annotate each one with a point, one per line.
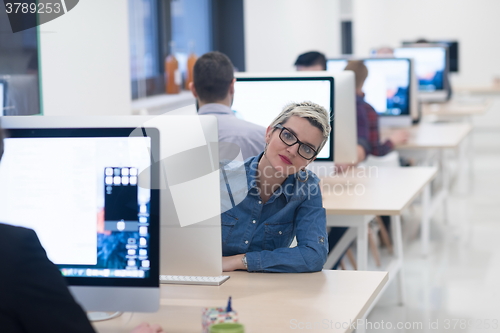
(317, 116)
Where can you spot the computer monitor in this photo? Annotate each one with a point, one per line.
(22, 97)
(259, 97)
(453, 51)
(345, 131)
(389, 88)
(3, 92)
(86, 191)
(190, 230)
(431, 68)
(191, 241)
(336, 65)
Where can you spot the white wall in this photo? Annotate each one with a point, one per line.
(277, 31)
(474, 23)
(85, 66)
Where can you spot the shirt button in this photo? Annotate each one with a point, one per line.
(253, 221)
(260, 202)
(279, 232)
(246, 242)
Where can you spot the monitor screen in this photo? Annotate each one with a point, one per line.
(336, 65)
(2, 97)
(452, 51)
(387, 87)
(87, 194)
(430, 66)
(260, 100)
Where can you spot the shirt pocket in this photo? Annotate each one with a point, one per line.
(228, 222)
(277, 235)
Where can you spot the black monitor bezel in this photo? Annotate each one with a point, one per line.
(306, 78)
(154, 223)
(454, 66)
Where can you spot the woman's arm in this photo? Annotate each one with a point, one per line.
(233, 263)
(312, 242)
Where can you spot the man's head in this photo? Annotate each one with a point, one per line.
(1, 143)
(311, 61)
(360, 73)
(213, 79)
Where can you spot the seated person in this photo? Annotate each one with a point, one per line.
(283, 200)
(213, 88)
(34, 296)
(316, 61)
(311, 61)
(368, 133)
(367, 118)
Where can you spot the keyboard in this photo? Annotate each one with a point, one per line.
(199, 280)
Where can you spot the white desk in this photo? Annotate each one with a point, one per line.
(457, 108)
(353, 198)
(493, 89)
(431, 139)
(266, 302)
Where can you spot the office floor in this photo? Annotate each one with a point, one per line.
(457, 287)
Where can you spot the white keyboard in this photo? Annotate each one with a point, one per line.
(200, 280)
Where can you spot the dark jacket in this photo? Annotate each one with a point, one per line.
(34, 296)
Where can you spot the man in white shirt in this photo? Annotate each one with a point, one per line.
(213, 88)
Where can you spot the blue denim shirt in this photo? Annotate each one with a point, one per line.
(265, 231)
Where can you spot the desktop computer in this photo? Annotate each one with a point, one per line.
(22, 96)
(390, 89)
(86, 191)
(190, 242)
(431, 68)
(273, 89)
(260, 97)
(3, 96)
(453, 51)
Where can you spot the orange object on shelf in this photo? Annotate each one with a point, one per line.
(173, 79)
(190, 66)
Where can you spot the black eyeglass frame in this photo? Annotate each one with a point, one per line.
(282, 128)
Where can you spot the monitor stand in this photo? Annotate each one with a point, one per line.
(394, 121)
(101, 316)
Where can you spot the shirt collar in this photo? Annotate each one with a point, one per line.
(217, 108)
(360, 98)
(286, 189)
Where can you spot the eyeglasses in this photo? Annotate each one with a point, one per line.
(288, 138)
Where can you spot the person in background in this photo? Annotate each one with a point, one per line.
(34, 296)
(283, 199)
(316, 61)
(368, 132)
(311, 61)
(213, 88)
(367, 118)
(384, 52)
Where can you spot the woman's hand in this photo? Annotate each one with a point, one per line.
(147, 328)
(233, 263)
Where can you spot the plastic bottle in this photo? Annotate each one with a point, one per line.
(173, 79)
(190, 66)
